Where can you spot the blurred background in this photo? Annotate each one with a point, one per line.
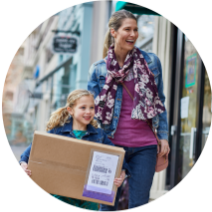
(55, 60)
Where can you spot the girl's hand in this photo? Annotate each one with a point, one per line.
(164, 148)
(25, 168)
(119, 181)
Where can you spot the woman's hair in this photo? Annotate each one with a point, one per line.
(114, 23)
(61, 115)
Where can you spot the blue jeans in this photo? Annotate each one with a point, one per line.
(141, 162)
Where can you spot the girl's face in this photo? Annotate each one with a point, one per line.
(83, 112)
(127, 34)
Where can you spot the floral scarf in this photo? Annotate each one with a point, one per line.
(146, 103)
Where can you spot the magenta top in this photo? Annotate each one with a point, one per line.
(132, 132)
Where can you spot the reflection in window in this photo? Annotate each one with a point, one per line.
(145, 26)
(207, 110)
(146, 32)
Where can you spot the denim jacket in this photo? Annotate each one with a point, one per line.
(93, 134)
(97, 80)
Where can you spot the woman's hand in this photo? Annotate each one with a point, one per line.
(164, 148)
(25, 168)
(119, 181)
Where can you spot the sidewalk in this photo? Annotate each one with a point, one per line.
(18, 150)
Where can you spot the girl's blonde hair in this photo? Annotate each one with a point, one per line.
(114, 23)
(61, 115)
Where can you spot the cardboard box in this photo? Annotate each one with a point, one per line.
(62, 165)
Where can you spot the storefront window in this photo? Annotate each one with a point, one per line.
(73, 71)
(188, 110)
(207, 110)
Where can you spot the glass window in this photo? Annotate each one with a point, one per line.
(73, 77)
(114, 5)
(188, 110)
(206, 119)
(146, 32)
(145, 26)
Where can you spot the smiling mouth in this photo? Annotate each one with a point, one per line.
(130, 41)
(87, 118)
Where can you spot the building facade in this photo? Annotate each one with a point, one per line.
(14, 88)
(39, 61)
(70, 72)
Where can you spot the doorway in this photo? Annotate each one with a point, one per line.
(191, 111)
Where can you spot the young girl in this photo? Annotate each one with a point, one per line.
(75, 120)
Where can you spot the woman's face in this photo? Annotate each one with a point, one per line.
(127, 34)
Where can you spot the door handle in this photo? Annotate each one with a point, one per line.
(173, 129)
(193, 131)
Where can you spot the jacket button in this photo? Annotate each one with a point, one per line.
(115, 117)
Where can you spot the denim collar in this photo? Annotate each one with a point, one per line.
(68, 127)
(146, 56)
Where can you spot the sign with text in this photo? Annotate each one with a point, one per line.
(64, 44)
(184, 107)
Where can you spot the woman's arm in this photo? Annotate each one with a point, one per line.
(93, 85)
(162, 130)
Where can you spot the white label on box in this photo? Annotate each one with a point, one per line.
(102, 172)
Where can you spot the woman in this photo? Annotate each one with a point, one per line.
(125, 119)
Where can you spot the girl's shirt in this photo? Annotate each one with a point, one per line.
(79, 133)
(131, 132)
(76, 202)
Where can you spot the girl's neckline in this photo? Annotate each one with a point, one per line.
(79, 130)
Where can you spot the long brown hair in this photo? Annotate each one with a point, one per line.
(61, 115)
(114, 23)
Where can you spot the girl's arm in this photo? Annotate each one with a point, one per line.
(25, 155)
(25, 158)
(24, 166)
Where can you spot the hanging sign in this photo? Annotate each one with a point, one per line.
(64, 44)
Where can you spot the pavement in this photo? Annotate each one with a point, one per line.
(18, 150)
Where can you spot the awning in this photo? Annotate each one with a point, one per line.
(134, 8)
